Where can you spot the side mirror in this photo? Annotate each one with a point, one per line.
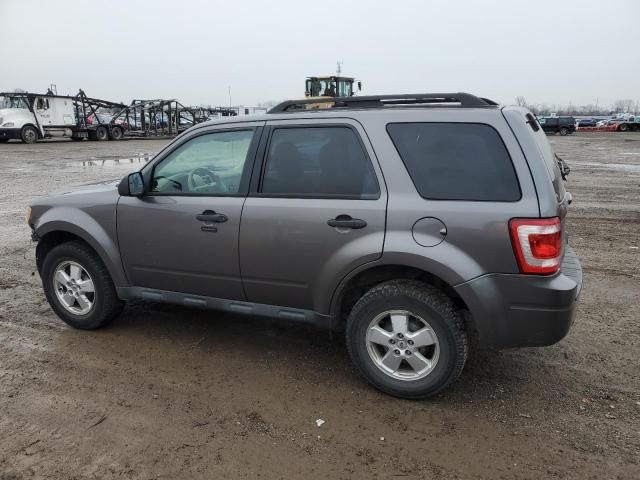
(132, 185)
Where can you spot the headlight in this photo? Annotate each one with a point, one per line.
(28, 214)
(8, 124)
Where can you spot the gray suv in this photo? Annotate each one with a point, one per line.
(413, 223)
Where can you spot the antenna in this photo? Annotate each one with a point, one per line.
(339, 69)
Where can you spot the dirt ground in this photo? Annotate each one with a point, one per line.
(167, 392)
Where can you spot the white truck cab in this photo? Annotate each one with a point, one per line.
(30, 117)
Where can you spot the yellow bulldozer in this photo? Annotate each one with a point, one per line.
(326, 87)
(330, 86)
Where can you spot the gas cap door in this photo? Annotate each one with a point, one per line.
(429, 231)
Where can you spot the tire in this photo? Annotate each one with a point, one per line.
(563, 131)
(425, 303)
(623, 127)
(29, 134)
(116, 133)
(105, 303)
(102, 134)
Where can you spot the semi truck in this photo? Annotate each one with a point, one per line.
(33, 116)
(30, 117)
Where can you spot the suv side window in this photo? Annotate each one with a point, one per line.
(456, 161)
(209, 164)
(325, 162)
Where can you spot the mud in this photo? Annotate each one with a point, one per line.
(167, 392)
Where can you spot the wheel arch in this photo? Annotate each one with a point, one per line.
(54, 233)
(358, 282)
(38, 130)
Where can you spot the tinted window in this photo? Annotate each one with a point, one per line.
(207, 164)
(318, 162)
(456, 161)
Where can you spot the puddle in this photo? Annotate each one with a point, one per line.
(98, 162)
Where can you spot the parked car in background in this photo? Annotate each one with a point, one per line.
(586, 122)
(561, 125)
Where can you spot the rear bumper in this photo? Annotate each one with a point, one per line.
(9, 133)
(511, 310)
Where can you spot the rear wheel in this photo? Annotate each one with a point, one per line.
(29, 134)
(102, 134)
(79, 287)
(116, 133)
(623, 127)
(563, 131)
(407, 339)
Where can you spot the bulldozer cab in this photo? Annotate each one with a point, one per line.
(329, 86)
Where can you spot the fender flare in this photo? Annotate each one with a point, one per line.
(57, 220)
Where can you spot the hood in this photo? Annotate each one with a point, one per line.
(96, 187)
(16, 115)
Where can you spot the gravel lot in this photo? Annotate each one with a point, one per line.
(167, 392)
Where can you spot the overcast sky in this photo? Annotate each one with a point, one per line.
(552, 52)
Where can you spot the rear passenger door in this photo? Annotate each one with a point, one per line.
(315, 212)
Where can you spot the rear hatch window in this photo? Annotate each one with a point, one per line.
(456, 161)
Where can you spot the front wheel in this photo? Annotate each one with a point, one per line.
(623, 127)
(29, 134)
(79, 287)
(407, 338)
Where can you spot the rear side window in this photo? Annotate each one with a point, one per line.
(320, 162)
(456, 161)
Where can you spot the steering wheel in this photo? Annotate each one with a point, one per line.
(204, 179)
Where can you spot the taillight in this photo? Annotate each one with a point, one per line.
(537, 243)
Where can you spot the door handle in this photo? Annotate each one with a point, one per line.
(345, 221)
(211, 216)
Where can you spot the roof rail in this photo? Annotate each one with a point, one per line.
(464, 100)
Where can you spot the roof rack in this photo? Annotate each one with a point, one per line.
(464, 100)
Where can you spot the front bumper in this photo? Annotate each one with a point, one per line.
(511, 310)
(10, 133)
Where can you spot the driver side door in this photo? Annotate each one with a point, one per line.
(182, 234)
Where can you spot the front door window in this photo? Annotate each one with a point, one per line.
(210, 164)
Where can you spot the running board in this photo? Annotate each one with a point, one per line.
(232, 306)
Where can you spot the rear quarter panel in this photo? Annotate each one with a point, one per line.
(477, 240)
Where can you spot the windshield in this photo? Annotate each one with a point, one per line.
(344, 88)
(13, 102)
